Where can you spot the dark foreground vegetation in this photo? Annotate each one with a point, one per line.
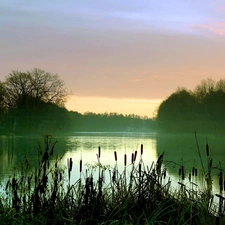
(140, 194)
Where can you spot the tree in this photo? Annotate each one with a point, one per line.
(22, 88)
(220, 85)
(177, 110)
(205, 88)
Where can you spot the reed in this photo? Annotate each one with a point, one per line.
(139, 194)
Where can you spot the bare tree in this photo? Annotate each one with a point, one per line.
(35, 84)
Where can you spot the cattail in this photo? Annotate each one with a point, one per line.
(99, 152)
(182, 172)
(125, 159)
(115, 155)
(71, 164)
(193, 171)
(196, 172)
(141, 149)
(135, 155)
(132, 158)
(207, 149)
(80, 165)
(189, 177)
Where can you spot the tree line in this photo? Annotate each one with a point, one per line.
(34, 102)
(113, 122)
(202, 109)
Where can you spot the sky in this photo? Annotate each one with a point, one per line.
(115, 55)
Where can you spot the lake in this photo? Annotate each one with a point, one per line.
(178, 149)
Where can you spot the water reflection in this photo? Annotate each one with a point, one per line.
(14, 149)
(183, 150)
(85, 146)
(179, 150)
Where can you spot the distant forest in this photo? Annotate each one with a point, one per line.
(202, 109)
(32, 102)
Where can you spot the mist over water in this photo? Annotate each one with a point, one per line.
(178, 149)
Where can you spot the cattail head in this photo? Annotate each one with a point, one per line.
(132, 158)
(135, 155)
(182, 172)
(141, 149)
(115, 155)
(189, 176)
(99, 151)
(193, 171)
(125, 159)
(80, 165)
(71, 164)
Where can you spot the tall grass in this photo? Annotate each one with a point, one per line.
(140, 194)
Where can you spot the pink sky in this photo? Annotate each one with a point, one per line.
(120, 56)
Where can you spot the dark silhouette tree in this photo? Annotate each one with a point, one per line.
(21, 87)
(220, 85)
(31, 99)
(204, 88)
(177, 110)
(202, 110)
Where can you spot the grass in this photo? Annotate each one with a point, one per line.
(138, 195)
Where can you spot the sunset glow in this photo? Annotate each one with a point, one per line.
(142, 107)
(131, 56)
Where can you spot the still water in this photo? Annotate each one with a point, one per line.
(178, 150)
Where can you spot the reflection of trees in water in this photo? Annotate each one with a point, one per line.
(14, 149)
(181, 150)
(7, 157)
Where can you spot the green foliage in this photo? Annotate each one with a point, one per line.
(202, 110)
